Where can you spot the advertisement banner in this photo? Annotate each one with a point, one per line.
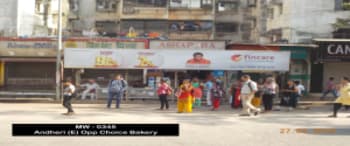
(188, 45)
(177, 60)
(105, 44)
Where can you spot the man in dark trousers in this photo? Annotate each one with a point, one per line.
(116, 88)
(68, 93)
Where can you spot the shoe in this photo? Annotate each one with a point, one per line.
(256, 113)
(332, 116)
(71, 113)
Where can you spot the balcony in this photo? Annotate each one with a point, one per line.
(106, 16)
(195, 35)
(231, 36)
(191, 14)
(228, 16)
(144, 13)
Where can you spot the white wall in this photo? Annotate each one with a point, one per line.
(8, 17)
(306, 19)
(26, 17)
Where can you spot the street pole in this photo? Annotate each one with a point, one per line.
(59, 48)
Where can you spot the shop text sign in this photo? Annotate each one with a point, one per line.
(335, 51)
(28, 45)
(105, 44)
(189, 45)
(177, 59)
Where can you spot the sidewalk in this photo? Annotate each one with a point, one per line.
(304, 101)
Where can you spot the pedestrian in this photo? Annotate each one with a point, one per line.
(185, 98)
(330, 88)
(248, 90)
(256, 101)
(116, 88)
(90, 89)
(217, 93)
(344, 98)
(290, 96)
(208, 86)
(235, 91)
(301, 89)
(197, 92)
(68, 94)
(270, 92)
(163, 91)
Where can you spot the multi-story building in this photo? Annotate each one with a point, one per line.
(299, 21)
(28, 18)
(231, 20)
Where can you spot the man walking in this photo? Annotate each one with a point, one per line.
(247, 94)
(68, 92)
(116, 88)
(330, 88)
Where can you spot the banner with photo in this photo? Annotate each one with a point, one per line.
(177, 59)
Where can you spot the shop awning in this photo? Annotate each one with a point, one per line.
(9, 59)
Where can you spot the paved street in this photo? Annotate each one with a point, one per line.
(203, 127)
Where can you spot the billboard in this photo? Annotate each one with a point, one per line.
(177, 60)
(188, 45)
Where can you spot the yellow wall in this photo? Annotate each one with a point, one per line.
(2, 73)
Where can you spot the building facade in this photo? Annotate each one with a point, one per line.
(299, 21)
(230, 20)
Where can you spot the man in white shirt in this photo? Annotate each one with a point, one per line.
(248, 90)
(68, 92)
(90, 89)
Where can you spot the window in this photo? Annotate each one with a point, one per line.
(144, 26)
(73, 5)
(190, 3)
(346, 5)
(191, 26)
(271, 13)
(207, 3)
(145, 3)
(252, 3)
(227, 6)
(280, 9)
(106, 5)
(226, 27)
(342, 5)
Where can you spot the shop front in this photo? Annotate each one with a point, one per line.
(300, 67)
(330, 59)
(102, 74)
(27, 65)
(185, 63)
(178, 75)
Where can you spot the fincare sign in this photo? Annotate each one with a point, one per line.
(177, 59)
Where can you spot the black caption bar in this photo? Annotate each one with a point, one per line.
(95, 129)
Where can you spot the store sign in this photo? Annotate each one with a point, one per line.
(189, 45)
(105, 44)
(28, 48)
(28, 45)
(177, 59)
(334, 51)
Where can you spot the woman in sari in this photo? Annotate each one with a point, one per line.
(185, 98)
